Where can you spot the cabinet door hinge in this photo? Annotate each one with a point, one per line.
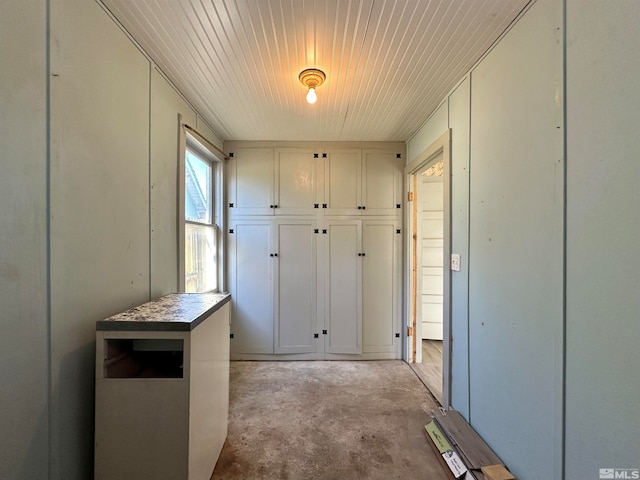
(410, 196)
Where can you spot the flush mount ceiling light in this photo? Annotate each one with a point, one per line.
(312, 78)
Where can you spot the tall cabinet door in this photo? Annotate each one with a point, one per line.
(296, 286)
(343, 182)
(343, 292)
(251, 182)
(296, 182)
(380, 289)
(251, 286)
(382, 184)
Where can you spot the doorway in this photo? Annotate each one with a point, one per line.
(429, 326)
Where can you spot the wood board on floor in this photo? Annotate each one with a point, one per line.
(472, 448)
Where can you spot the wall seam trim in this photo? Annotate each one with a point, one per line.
(48, 236)
(563, 444)
(150, 185)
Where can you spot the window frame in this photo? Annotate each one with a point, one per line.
(191, 139)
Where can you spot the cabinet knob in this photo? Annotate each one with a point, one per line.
(359, 207)
(363, 254)
(275, 206)
(275, 254)
(271, 254)
(364, 207)
(270, 206)
(359, 254)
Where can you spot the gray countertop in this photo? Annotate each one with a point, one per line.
(173, 312)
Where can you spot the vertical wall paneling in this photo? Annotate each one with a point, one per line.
(603, 226)
(459, 103)
(516, 238)
(429, 133)
(204, 128)
(99, 209)
(24, 362)
(163, 182)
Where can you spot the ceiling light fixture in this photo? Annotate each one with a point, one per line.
(312, 78)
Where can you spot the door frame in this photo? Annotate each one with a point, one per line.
(442, 145)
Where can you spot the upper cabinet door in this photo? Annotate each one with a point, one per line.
(343, 182)
(382, 183)
(296, 182)
(251, 182)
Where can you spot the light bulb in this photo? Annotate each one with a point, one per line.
(311, 96)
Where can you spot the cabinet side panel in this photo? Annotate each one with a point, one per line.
(209, 393)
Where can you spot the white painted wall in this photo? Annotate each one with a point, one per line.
(603, 227)
(507, 214)
(508, 184)
(459, 115)
(516, 246)
(24, 416)
(112, 189)
(165, 106)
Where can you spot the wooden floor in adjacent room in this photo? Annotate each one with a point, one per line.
(430, 370)
(320, 420)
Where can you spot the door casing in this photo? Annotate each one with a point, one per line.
(442, 145)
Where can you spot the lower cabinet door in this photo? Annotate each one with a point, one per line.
(342, 289)
(380, 289)
(251, 286)
(295, 286)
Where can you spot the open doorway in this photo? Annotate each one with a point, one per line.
(428, 268)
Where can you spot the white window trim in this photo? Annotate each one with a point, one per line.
(201, 145)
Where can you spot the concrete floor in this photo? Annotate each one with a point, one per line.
(327, 421)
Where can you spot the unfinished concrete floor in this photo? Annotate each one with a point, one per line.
(327, 421)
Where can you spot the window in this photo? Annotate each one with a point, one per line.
(202, 197)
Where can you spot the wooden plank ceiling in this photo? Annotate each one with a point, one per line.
(389, 63)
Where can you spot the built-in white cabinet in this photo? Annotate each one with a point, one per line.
(267, 181)
(343, 286)
(295, 276)
(272, 280)
(362, 296)
(250, 246)
(314, 238)
(362, 182)
(381, 270)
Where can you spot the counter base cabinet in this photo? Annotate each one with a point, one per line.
(169, 421)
